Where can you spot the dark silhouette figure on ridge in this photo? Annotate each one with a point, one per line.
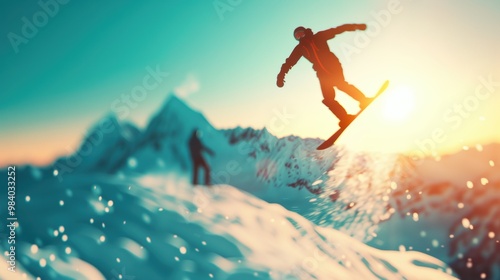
(196, 148)
(314, 47)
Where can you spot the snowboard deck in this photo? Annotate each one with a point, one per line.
(330, 141)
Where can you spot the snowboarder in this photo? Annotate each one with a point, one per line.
(314, 47)
(196, 149)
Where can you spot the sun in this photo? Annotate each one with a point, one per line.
(398, 104)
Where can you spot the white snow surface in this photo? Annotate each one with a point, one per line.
(161, 227)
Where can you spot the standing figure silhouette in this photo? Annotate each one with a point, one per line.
(196, 148)
(314, 47)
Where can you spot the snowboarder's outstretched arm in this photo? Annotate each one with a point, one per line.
(208, 150)
(332, 32)
(289, 63)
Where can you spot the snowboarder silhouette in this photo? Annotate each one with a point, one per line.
(196, 149)
(314, 47)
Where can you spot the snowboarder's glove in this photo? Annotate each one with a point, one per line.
(361, 26)
(280, 80)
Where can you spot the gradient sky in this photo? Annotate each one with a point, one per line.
(224, 63)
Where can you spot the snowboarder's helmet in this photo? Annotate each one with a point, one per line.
(299, 33)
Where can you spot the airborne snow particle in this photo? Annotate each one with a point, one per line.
(469, 263)
(148, 239)
(102, 238)
(43, 262)
(466, 223)
(61, 229)
(64, 238)
(56, 172)
(204, 242)
(435, 243)
(484, 181)
(34, 249)
(491, 234)
(91, 220)
(402, 248)
(52, 257)
(492, 163)
(394, 185)
(460, 205)
(423, 233)
(110, 203)
(415, 217)
(470, 185)
(132, 162)
(176, 258)
(210, 275)
(479, 148)
(61, 202)
(183, 250)
(56, 233)
(117, 260)
(28, 198)
(483, 275)
(146, 218)
(68, 250)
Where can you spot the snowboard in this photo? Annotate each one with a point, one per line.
(330, 141)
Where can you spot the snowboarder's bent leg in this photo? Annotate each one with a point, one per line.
(355, 93)
(332, 104)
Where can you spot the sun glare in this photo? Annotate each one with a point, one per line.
(398, 104)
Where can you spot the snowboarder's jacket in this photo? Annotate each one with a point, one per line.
(196, 147)
(315, 49)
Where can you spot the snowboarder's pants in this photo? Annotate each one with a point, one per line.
(328, 82)
(200, 163)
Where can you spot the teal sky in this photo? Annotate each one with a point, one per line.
(88, 54)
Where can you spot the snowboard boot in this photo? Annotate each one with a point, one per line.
(344, 122)
(344, 118)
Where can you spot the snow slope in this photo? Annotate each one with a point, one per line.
(152, 227)
(450, 210)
